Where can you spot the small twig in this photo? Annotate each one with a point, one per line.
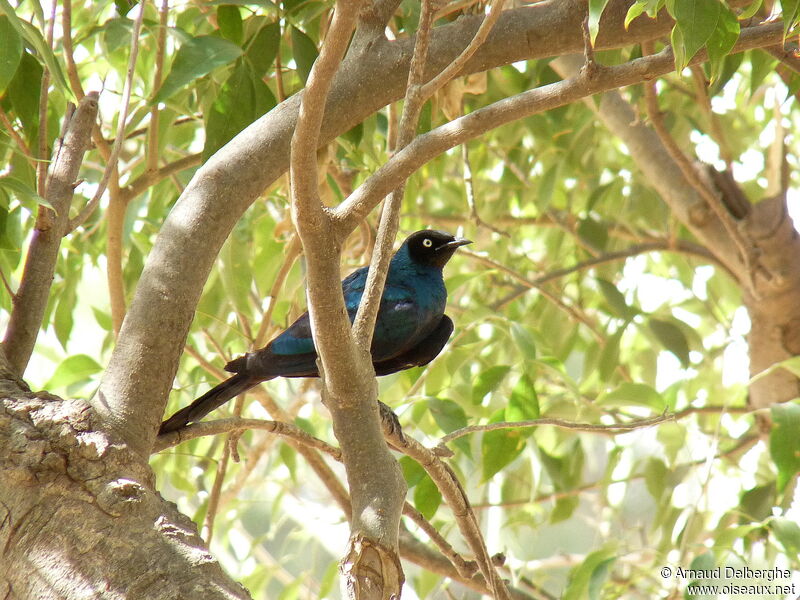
(704, 101)
(465, 568)
(41, 166)
(161, 44)
(111, 163)
(207, 366)
(354, 209)
(214, 494)
(457, 64)
(538, 285)
(790, 58)
(18, 139)
(469, 189)
(43, 251)
(206, 428)
(745, 247)
(456, 498)
(6, 285)
(613, 429)
(589, 64)
(278, 65)
(138, 186)
(69, 57)
(292, 251)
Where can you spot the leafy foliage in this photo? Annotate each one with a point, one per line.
(601, 341)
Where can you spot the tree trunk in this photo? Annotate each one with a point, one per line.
(79, 514)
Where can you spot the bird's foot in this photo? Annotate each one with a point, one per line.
(391, 424)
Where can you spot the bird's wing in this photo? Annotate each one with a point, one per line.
(421, 353)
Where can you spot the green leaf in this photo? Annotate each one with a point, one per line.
(241, 100)
(229, 20)
(634, 11)
(616, 300)
(117, 33)
(673, 437)
(609, 356)
(63, 319)
(586, 580)
(751, 10)
(412, 471)
(761, 65)
(23, 90)
(124, 6)
(499, 448)
(196, 58)
(633, 394)
(305, 53)
(565, 472)
(672, 338)
(448, 415)
(263, 48)
(427, 497)
(788, 534)
(678, 48)
(524, 340)
(75, 369)
(23, 192)
(103, 318)
(488, 381)
(231, 111)
(655, 476)
(756, 503)
(596, 8)
(721, 41)
(523, 404)
(791, 13)
(784, 442)
(34, 37)
(697, 20)
(10, 52)
(593, 232)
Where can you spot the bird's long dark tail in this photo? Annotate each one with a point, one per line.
(211, 400)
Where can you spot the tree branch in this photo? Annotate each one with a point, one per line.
(349, 390)
(613, 429)
(692, 177)
(456, 498)
(442, 138)
(364, 323)
(218, 426)
(40, 262)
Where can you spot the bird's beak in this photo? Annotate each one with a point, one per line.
(456, 243)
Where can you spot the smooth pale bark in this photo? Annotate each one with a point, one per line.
(31, 298)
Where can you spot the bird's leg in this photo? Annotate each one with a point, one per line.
(391, 424)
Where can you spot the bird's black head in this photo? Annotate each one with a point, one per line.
(431, 247)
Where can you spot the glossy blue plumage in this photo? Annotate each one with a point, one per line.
(412, 305)
(410, 330)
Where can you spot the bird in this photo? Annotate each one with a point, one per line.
(410, 330)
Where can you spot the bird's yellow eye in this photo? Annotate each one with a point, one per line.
(427, 242)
